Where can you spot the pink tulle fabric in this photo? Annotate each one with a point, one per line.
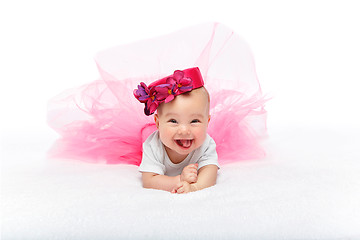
(103, 122)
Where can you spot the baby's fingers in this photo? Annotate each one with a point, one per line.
(195, 166)
(192, 166)
(193, 178)
(176, 188)
(180, 190)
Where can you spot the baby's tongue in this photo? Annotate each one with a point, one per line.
(185, 143)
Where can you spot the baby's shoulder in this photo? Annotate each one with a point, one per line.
(153, 138)
(209, 140)
(153, 143)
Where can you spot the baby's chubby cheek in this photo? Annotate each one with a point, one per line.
(200, 138)
(165, 136)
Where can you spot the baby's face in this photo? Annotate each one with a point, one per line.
(183, 122)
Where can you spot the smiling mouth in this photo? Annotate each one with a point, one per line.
(184, 143)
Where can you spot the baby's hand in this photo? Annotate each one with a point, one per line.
(182, 187)
(189, 173)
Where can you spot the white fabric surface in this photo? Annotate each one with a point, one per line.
(307, 188)
(156, 160)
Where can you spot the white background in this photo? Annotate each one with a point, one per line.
(307, 53)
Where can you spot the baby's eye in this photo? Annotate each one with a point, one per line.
(195, 121)
(172, 121)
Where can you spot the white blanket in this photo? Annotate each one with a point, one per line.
(307, 188)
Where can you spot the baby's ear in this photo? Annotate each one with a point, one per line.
(156, 119)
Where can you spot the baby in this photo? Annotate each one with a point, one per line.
(180, 157)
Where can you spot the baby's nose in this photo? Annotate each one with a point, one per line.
(184, 130)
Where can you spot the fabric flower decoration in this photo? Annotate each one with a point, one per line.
(181, 84)
(174, 86)
(147, 96)
(142, 93)
(150, 106)
(163, 92)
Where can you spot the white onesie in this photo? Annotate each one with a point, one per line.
(156, 160)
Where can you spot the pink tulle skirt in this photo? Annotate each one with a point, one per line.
(102, 121)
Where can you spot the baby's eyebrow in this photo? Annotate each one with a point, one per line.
(198, 115)
(171, 114)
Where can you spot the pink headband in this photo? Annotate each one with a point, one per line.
(167, 88)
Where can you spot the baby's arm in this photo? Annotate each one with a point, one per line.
(206, 178)
(157, 181)
(162, 182)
